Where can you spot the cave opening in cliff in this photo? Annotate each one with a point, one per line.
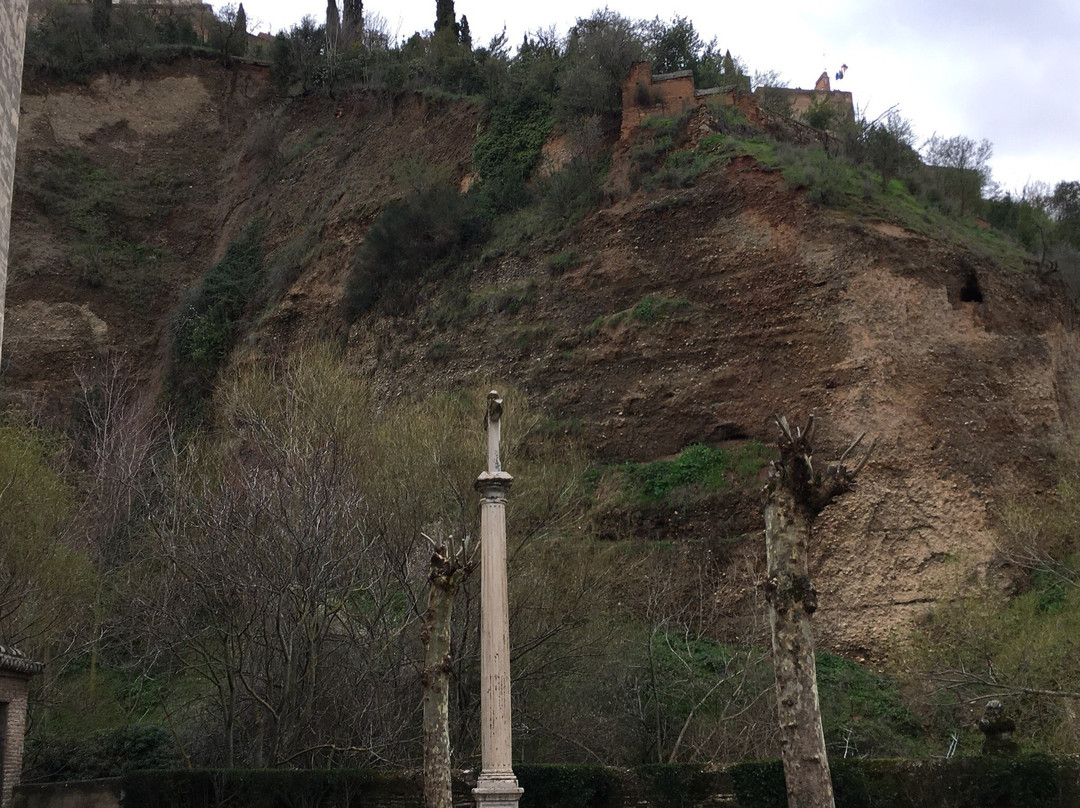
(970, 292)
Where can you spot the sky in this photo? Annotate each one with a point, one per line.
(1004, 70)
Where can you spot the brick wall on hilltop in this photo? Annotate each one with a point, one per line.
(668, 94)
(671, 94)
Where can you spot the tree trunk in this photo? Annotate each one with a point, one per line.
(795, 495)
(792, 600)
(444, 580)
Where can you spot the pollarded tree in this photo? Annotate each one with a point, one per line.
(795, 495)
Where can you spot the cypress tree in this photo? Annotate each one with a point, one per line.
(464, 35)
(445, 17)
(333, 20)
(353, 17)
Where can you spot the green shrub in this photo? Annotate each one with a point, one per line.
(413, 240)
(564, 261)
(1033, 782)
(580, 786)
(650, 310)
(759, 784)
(106, 753)
(573, 191)
(211, 319)
(506, 154)
(696, 465)
(828, 180)
(679, 785)
(270, 788)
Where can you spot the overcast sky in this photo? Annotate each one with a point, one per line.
(1005, 70)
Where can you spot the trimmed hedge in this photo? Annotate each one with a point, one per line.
(554, 786)
(271, 788)
(1036, 781)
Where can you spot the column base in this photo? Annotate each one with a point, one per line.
(497, 791)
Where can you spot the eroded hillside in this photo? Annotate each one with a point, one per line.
(661, 320)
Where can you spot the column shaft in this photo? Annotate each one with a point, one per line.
(12, 41)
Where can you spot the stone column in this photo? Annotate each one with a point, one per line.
(12, 41)
(496, 787)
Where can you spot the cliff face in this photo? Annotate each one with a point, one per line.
(738, 298)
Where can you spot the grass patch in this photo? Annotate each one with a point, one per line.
(650, 310)
(527, 337)
(311, 141)
(699, 466)
(564, 261)
(105, 216)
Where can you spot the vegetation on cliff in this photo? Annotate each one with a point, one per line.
(240, 557)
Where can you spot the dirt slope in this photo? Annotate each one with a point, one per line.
(120, 204)
(761, 302)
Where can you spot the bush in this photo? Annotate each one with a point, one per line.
(1033, 782)
(566, 786)
(827, 180)
(413, 240)
(106, 753)
(564, 261)
(211, 319)
(262, 788)
(572, 192)
(506, 154)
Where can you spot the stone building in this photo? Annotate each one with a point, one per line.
(15, 673)
(801, 100)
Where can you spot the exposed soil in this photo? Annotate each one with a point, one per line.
(789, 308)
(174, 129)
